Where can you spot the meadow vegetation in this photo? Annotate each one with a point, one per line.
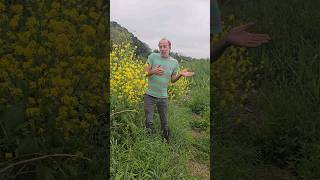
(53, 90)
(135, 154)
(269, 130)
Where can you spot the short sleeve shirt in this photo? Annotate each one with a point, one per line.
(158, 85)
(215, 17)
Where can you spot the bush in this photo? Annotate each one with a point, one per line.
(127, 78)
(199, 124)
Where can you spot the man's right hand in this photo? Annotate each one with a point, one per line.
(158, 70)
(240, 37)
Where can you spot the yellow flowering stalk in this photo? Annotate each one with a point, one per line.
(127, 76)
(53, 65)
(230, 74)
(178, 88)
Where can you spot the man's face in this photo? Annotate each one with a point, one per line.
(164, 48)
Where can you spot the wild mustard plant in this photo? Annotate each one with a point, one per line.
(51, 63)
(127, 76)
(230, 75)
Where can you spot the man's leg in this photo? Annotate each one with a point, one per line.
(149, 110)
(162, 106)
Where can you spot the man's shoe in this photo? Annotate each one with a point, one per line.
(166, 134)
(150, 129)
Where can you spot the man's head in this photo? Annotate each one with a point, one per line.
(164, 47)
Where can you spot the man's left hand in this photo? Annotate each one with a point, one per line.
(186, 73)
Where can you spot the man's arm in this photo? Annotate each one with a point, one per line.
(218, 49)
(175, 77)
(238, 36)
(184, 73)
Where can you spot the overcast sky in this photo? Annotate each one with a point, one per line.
(185, 22)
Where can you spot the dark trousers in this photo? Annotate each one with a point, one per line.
(162, 106)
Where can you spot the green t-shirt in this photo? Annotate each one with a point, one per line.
(158, 85)
(215, 16)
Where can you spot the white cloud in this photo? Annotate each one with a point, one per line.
(185, 22)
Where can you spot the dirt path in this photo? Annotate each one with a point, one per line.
(196, 168)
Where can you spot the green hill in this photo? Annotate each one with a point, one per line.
(120, 34)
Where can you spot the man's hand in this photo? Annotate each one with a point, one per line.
(186, 73)
(239, 37)
(158, 70)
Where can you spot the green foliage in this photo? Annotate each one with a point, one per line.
(202, 150)
(142, 160)
(287, 88)
(120, 35)
(198, 106)
(236, 162)
(309, 168)
(138, 155)
(199, 124)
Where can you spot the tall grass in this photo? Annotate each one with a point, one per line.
(136, 154)
(287, 89)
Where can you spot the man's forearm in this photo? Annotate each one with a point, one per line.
(218, 49)
(176, 78)
(149, 72)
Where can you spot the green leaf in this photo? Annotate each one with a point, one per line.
(12, 117)
(45, 172)
(48, 174)
(27, 145)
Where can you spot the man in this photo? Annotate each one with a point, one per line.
(236, 36)
(160, 69)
